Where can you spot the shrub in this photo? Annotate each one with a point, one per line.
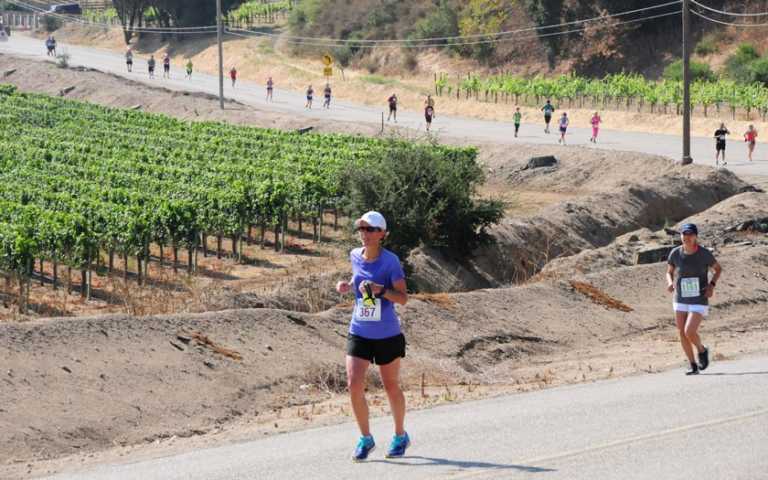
(759, 71)
(63, 60)
(427, 197)
(737, 65)
(699, 71)
(707, 46)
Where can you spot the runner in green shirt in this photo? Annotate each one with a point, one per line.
(517, 117)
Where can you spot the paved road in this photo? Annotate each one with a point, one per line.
(662, 426)
(472, 130)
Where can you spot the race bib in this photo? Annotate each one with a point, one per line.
(689, 287)
(368, 310)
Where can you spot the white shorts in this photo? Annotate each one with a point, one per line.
(684, 307)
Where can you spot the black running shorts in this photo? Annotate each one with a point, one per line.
(378, 351)
(720, 146)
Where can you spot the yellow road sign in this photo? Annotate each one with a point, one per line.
(328, 71)
(327, 60)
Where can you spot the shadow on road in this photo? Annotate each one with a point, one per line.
(468, 464)
(734, 373)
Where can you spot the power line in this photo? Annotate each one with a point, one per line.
(69, 19)
(732, 14)
(462, 37)
(341, 43)
(731, 24)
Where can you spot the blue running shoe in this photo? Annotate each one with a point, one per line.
(364, 446)
(398, 445)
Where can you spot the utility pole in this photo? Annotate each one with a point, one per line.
(219, 34)
(686, 84)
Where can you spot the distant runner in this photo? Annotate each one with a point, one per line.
(687, 270)
(50, 45)
(595, 121)
(151, 66)
(375, 336)
(392, 101)
(129, 59)
(548, 110)
(233, 75)
(270, 87)
(166, 65)
(720, 134)
(563, 128)
(310, 94)
(517, 117)
(750, 136)
(327, 96)
(429, 110)
(188, 68)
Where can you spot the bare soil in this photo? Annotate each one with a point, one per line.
(97, 388)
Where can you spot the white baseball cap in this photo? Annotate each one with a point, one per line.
(374, 219)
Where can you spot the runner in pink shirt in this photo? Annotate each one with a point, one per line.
(596, 120)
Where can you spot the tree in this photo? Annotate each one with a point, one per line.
(543, 13)
(130, 13)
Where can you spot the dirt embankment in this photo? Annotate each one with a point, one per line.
(612, 193)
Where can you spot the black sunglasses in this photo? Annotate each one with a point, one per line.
(368, 229)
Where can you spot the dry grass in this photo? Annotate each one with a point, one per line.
(441, 300)
(599, 297)
(205, 341)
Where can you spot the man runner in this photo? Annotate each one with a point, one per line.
(548, 110)
(516, 118)
(392, 107)
(129, 59)
(151, 66)
(189, 69)
(270, 87)
(720, 134)
(310, 95)
(166, 65)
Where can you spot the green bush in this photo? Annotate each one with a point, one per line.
(441, 22)
(707, 46)
(737, 65)
(699, 71)
(759, 71)
(427, 198)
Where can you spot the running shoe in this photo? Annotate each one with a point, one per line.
(398, 446)
(364, 447)
(704, 359)
(694, 370)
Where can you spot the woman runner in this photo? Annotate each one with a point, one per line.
(563, 128)
(378, 282)
(233, 75)
(517, 117)
(327, 95)
(750, 136)
(270, 86)
(596, 120)
(720, 134)
(129, 59)
(189, 69)
(310, 93)
(687, 270)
